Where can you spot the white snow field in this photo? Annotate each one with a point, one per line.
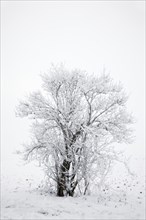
(21, 198)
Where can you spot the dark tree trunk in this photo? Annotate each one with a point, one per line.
(61, 184)
(60, 190)
(72, 190)
(63, 180)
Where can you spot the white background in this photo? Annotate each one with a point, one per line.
(89, 35)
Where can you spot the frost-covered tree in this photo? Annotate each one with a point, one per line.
(76, 120)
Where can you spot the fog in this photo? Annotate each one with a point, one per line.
(88, 35)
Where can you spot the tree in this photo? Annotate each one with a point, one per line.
(76, 120)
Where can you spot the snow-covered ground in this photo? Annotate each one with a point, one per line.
(122, 198)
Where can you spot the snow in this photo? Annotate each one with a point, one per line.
(21, 198)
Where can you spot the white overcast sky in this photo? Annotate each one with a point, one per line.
(85, 34)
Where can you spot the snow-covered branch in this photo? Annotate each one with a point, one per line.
(75, 121)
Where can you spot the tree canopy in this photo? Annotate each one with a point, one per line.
(76, 120)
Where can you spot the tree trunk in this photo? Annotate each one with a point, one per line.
(61, 184)
(72, 190)
(60, 190)
(64, 182)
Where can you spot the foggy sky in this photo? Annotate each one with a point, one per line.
(88, 35)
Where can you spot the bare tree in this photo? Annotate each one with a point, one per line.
(76, 120)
